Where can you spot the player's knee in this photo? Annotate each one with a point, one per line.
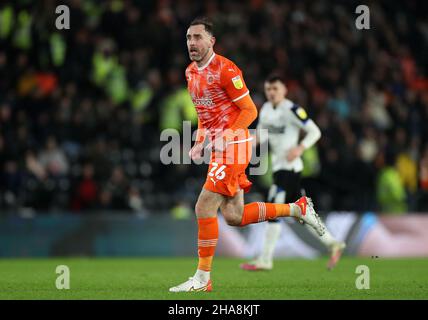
(203, 210)
(199, 208)
(232, 219)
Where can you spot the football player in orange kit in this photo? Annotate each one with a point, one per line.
(225, 110)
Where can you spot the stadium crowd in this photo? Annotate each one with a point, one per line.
(81, 110)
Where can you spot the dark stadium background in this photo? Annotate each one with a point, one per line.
(81, 110)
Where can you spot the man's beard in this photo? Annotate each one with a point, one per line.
(201, 56)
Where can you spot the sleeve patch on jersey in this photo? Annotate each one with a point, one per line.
(300, 113)
(237, 82)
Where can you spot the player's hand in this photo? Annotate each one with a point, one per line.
(196, 152)
(219, 144)
(295, 152)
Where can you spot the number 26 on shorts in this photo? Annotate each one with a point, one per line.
(219, 171)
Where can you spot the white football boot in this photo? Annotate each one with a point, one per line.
(309, 216)
(192, 285)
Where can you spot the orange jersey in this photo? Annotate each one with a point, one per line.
(214, 88)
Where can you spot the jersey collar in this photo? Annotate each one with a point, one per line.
(278, 105)
(206, 64)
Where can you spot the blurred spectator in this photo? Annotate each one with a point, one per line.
(86, 193)
(118, 188)
(423, 179)
(339, 104)
(134, 200)
(53, 158)
(390, 189)
(368, 146)
(376, 107)
(104, 201)
(11, 181)
(34, 166)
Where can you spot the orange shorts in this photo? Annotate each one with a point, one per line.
(226, 172)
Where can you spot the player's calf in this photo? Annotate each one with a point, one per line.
(234, 221)
(256, 212)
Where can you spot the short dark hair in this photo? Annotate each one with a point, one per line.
(274, 78)
(207, 23)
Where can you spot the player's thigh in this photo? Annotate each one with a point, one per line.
(233, 207)
(208, 203)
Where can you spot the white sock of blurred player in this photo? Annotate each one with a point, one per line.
(272, 232)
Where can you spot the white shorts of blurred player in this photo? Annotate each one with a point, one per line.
(365, 235)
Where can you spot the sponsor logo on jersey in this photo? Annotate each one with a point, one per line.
(275, 129)
(237, 82)
(202, 102)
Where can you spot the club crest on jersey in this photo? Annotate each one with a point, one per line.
(210, 79)
(237, 82)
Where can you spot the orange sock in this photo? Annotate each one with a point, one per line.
(207, 241)
(261, 211)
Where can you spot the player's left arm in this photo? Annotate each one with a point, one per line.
(235, 87)
(312, 132)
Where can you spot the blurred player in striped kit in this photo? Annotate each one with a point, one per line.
(284, 120)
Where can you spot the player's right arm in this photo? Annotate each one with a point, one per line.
(196, 152)
(201, 133)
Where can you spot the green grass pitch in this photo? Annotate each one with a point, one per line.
(150, 278)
